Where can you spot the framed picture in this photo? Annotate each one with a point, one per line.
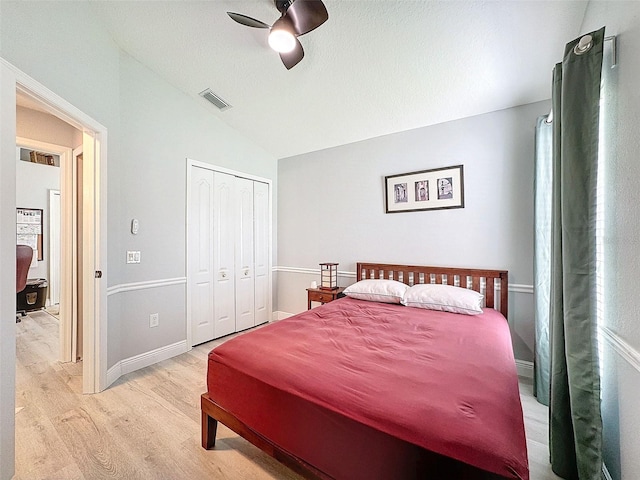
(29, 230)
(435, 189)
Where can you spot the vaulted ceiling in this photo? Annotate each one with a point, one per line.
(375, 67)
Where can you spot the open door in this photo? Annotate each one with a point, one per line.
(90, 254)
(71, 259)
(90, 275)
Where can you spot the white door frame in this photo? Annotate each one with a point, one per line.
(71, 273)
(194, 163)
(55, 247)
(94, 252)
(7, 278)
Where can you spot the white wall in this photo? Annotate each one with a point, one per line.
(331, 207)
(621, 348)
(152, 129)
(161, 128)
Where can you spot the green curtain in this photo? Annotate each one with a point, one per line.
(575, 425)
(542, 257)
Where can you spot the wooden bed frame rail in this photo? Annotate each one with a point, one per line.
(212, 413)
(480, 280)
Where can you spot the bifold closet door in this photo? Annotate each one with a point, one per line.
(229, 254)
(261, 260)
(245, 280)
(200, 225)
(211, 254)
(224, 232)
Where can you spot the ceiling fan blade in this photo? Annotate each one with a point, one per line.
(305, 15)
(292, 58)
(247, 21)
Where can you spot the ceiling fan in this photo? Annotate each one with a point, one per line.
(297, 17)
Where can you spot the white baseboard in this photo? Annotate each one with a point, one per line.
(113, 374)
(143, 360)
(281, 315)
(525, 369)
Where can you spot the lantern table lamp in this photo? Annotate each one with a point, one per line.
(328, 276)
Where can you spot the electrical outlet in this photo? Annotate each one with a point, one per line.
(154, 320)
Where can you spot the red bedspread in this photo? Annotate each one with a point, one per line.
(444, 382)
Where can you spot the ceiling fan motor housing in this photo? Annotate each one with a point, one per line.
(283, 5)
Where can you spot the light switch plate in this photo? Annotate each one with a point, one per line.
(133, 256)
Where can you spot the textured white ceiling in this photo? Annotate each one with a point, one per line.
(375, 67)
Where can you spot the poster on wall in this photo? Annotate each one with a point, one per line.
(29, 231)
(434, 189)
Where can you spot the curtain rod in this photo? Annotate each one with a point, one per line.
(614, 62)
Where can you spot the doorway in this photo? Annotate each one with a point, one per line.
(92, 255)
(61, 235)
(78, 277)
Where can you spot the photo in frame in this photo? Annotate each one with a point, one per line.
(29, 231)
(434, 189)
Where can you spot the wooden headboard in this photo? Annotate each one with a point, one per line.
(483, 281)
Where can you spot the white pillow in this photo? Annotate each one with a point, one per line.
(385, 291)
(445, 298)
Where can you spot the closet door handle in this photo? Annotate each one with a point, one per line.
(246, 273)
(224, 275)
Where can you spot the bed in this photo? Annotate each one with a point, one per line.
(357, 389)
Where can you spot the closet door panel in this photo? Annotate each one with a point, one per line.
(224, 254)
(245, 288)
(200, 223)
(261, 239)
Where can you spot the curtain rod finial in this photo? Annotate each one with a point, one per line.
(584, 45)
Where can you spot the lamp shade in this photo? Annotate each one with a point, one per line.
(329, 276)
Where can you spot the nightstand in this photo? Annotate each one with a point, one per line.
(322, 296)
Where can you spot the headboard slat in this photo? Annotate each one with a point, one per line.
(489, 291)
(475, 284)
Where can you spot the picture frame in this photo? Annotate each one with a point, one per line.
(435, 189)
(29, 231)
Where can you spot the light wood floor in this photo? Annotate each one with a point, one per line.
(147, 424)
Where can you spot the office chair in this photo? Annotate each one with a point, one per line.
(24, 254)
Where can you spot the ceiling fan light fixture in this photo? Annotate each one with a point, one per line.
(298, 17)
(282, 41)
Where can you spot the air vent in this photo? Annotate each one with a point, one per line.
(215, 99)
